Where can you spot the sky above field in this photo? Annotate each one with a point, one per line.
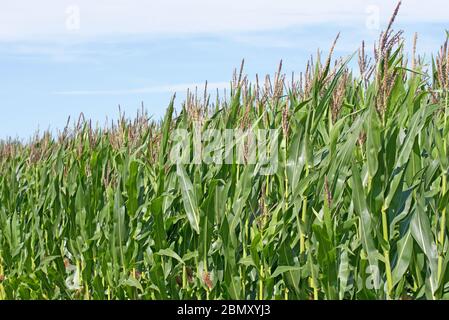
(59, 58)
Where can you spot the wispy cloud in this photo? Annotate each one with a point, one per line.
(69, 19)
(152, 89)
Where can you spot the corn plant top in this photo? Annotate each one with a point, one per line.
(355, 206)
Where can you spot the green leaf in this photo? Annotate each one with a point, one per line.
(282, 269)
(170, 253)
(189, 199)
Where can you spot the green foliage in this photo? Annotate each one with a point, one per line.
(355, 210)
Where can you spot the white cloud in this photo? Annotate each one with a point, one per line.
(153, 89)
(48, 19)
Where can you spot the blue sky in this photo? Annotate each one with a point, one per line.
(60, 58)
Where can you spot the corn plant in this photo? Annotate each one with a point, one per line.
(356, 208)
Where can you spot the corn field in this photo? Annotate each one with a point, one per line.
(356, 208)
